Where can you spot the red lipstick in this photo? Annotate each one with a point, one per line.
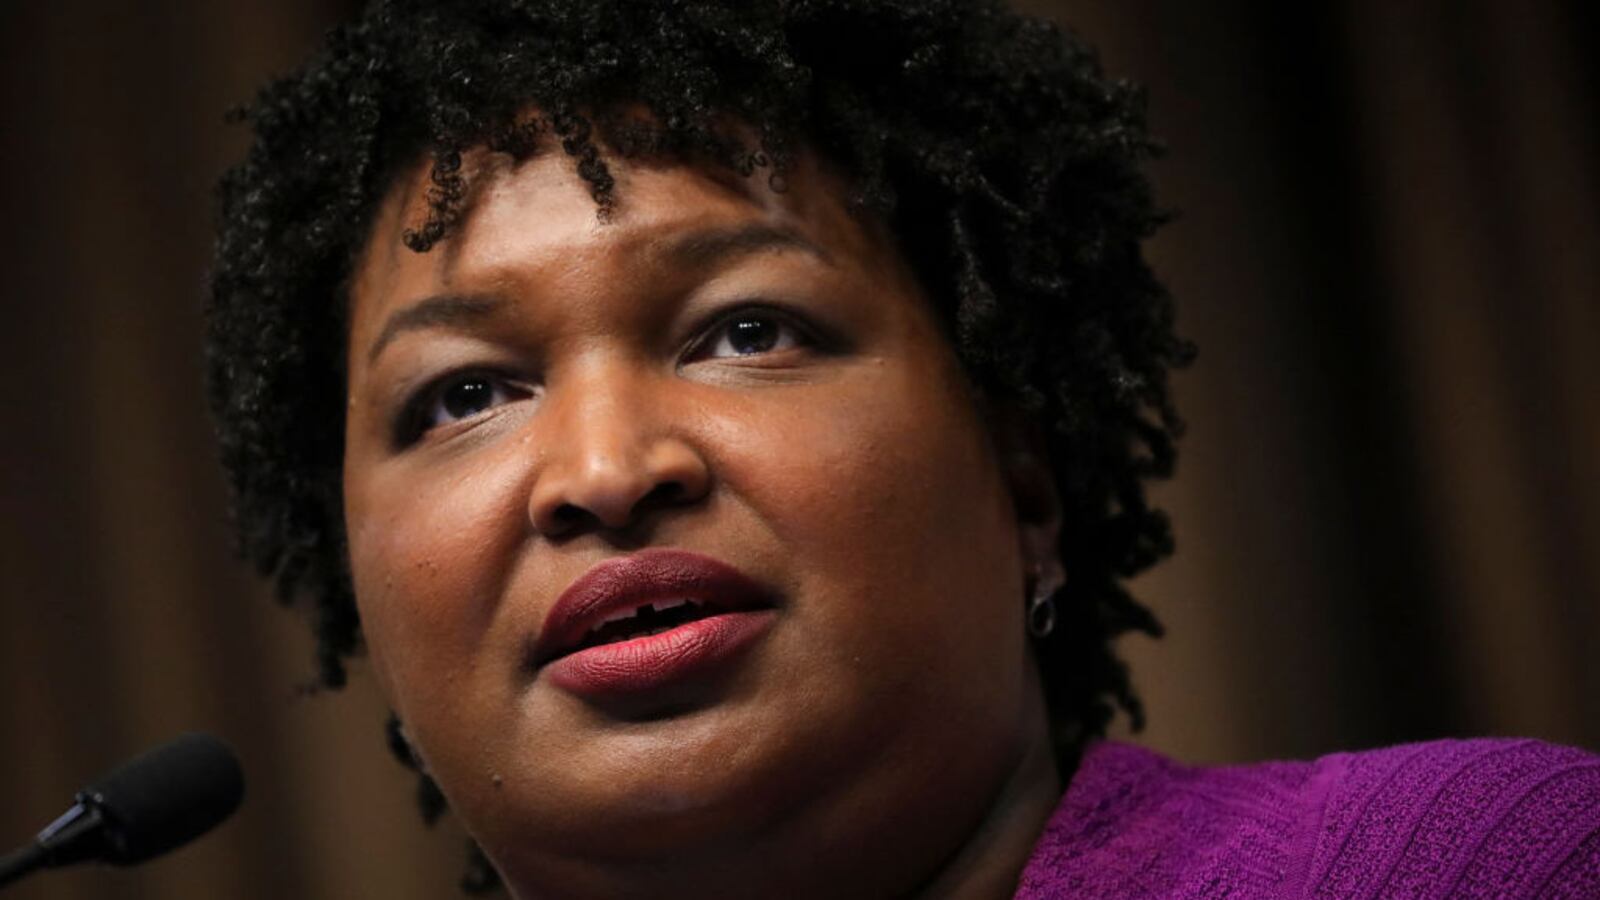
(647, 620)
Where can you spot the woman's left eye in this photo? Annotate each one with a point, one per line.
(752, 333)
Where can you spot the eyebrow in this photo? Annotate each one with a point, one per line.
(714, 246)
(695, 250)
(442, 310)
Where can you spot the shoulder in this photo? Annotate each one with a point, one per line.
(1134, 823)
(1486, 817)
(1479, 818)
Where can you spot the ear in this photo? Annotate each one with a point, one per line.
(1023, 454)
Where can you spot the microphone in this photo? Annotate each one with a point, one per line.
(153, 803)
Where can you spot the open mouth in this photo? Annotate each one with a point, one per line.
(646, 620)
(651, 618)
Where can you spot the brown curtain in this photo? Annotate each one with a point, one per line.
(1388, 507)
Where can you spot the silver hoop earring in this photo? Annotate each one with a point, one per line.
(1042, 613)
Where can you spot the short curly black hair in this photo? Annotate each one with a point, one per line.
(1009, 168)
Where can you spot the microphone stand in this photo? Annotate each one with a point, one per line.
(69, 839)
(20, 862)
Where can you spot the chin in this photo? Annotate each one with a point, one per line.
(693, 779)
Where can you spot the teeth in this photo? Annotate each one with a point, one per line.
(618, 617)
(657, 606)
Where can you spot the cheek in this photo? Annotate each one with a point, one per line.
(897, 521)
(427, 558)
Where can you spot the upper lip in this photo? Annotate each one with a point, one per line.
(628, 582)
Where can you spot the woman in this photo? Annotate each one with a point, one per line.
(725, 426)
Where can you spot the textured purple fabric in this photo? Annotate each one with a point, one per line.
(1476, 818)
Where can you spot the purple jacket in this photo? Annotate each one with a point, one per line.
(1476, 818)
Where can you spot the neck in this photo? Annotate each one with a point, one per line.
(990, 862)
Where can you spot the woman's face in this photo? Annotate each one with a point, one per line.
(748, 375)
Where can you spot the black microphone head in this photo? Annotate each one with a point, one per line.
(166, 797)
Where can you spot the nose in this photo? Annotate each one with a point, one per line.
(612, 456)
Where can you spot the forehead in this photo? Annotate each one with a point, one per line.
(524, 216)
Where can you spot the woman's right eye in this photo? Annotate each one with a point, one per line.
(455, 398)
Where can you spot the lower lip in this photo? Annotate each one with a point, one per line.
(659, 660)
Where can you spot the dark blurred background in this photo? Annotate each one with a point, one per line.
(1388, 505)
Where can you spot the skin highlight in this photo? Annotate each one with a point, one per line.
(889, 736)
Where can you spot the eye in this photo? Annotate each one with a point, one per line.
(752, 332)
(454, 398)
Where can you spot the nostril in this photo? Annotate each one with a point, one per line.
(568, 515)
(666, 492)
